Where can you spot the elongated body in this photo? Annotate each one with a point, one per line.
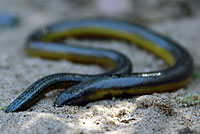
(120, 82)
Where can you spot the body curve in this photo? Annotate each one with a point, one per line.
(114, 83)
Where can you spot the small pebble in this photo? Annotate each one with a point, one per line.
(8, 20)
(184, 130)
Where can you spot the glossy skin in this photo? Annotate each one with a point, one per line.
(102, 86)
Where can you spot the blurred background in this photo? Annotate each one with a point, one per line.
(18, 18)
(145, 11)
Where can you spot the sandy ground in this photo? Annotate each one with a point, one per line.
(176, 112)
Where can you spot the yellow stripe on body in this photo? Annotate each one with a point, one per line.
(72, 57)
(110, 33)
(141, 90)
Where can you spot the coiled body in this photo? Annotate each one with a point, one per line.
(117, 82)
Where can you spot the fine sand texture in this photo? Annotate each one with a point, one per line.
(177, 112)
